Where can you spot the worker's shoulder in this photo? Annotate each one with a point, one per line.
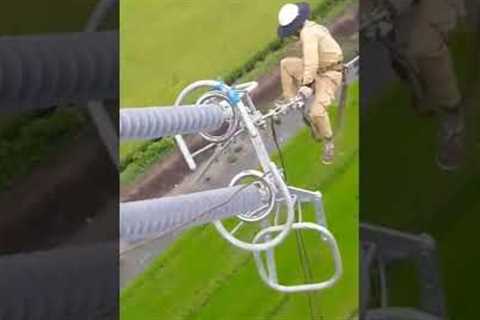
(312, 28)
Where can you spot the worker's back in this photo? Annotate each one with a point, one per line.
(329, 51)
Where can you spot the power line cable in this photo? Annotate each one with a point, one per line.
(183, 225)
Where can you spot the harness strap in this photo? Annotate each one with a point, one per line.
(336, 66)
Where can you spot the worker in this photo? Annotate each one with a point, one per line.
(426, 42)
(421, 30)
(318, 72)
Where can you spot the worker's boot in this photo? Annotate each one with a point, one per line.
(328, 151)
(451, 149)
(422, 107)
(322, 131)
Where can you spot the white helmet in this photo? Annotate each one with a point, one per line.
(287, 14)
(292, 17)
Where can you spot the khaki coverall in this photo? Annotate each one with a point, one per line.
(322, 58)
(424, 32)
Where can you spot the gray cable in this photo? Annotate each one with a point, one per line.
(142, 219)
(42, 71)
(157, 122)
(71, 283)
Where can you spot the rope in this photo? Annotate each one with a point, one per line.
(305, 268)
(279, 150)
(302, 252)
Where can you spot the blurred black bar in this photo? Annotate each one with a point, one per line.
(59, 93)
(420, 161)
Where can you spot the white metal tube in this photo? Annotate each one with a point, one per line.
(326, 236)
(70, 283)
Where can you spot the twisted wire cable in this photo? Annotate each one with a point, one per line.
(43, 71)
(143, 219)
(157, 122)
(71, 283)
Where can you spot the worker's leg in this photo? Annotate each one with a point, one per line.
(429, 51)
(291, 72)
(326, 88)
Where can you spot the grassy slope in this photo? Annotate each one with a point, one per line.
(187, 283)
(140, 161)
(422, 198)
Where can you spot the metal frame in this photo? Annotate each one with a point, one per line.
(269, 273)
(382, 247)
(265, 241)
(270, 276)
(96, 109)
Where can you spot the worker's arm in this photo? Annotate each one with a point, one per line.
(310, 56)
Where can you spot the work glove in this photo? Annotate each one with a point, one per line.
(305, 92)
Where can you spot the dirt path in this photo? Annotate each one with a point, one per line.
(59, 198)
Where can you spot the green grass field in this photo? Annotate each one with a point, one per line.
(201, 276)
(420, 197)
(167, 44)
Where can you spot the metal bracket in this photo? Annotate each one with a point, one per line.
(268, 272)
(313, 197)
(235, 95)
